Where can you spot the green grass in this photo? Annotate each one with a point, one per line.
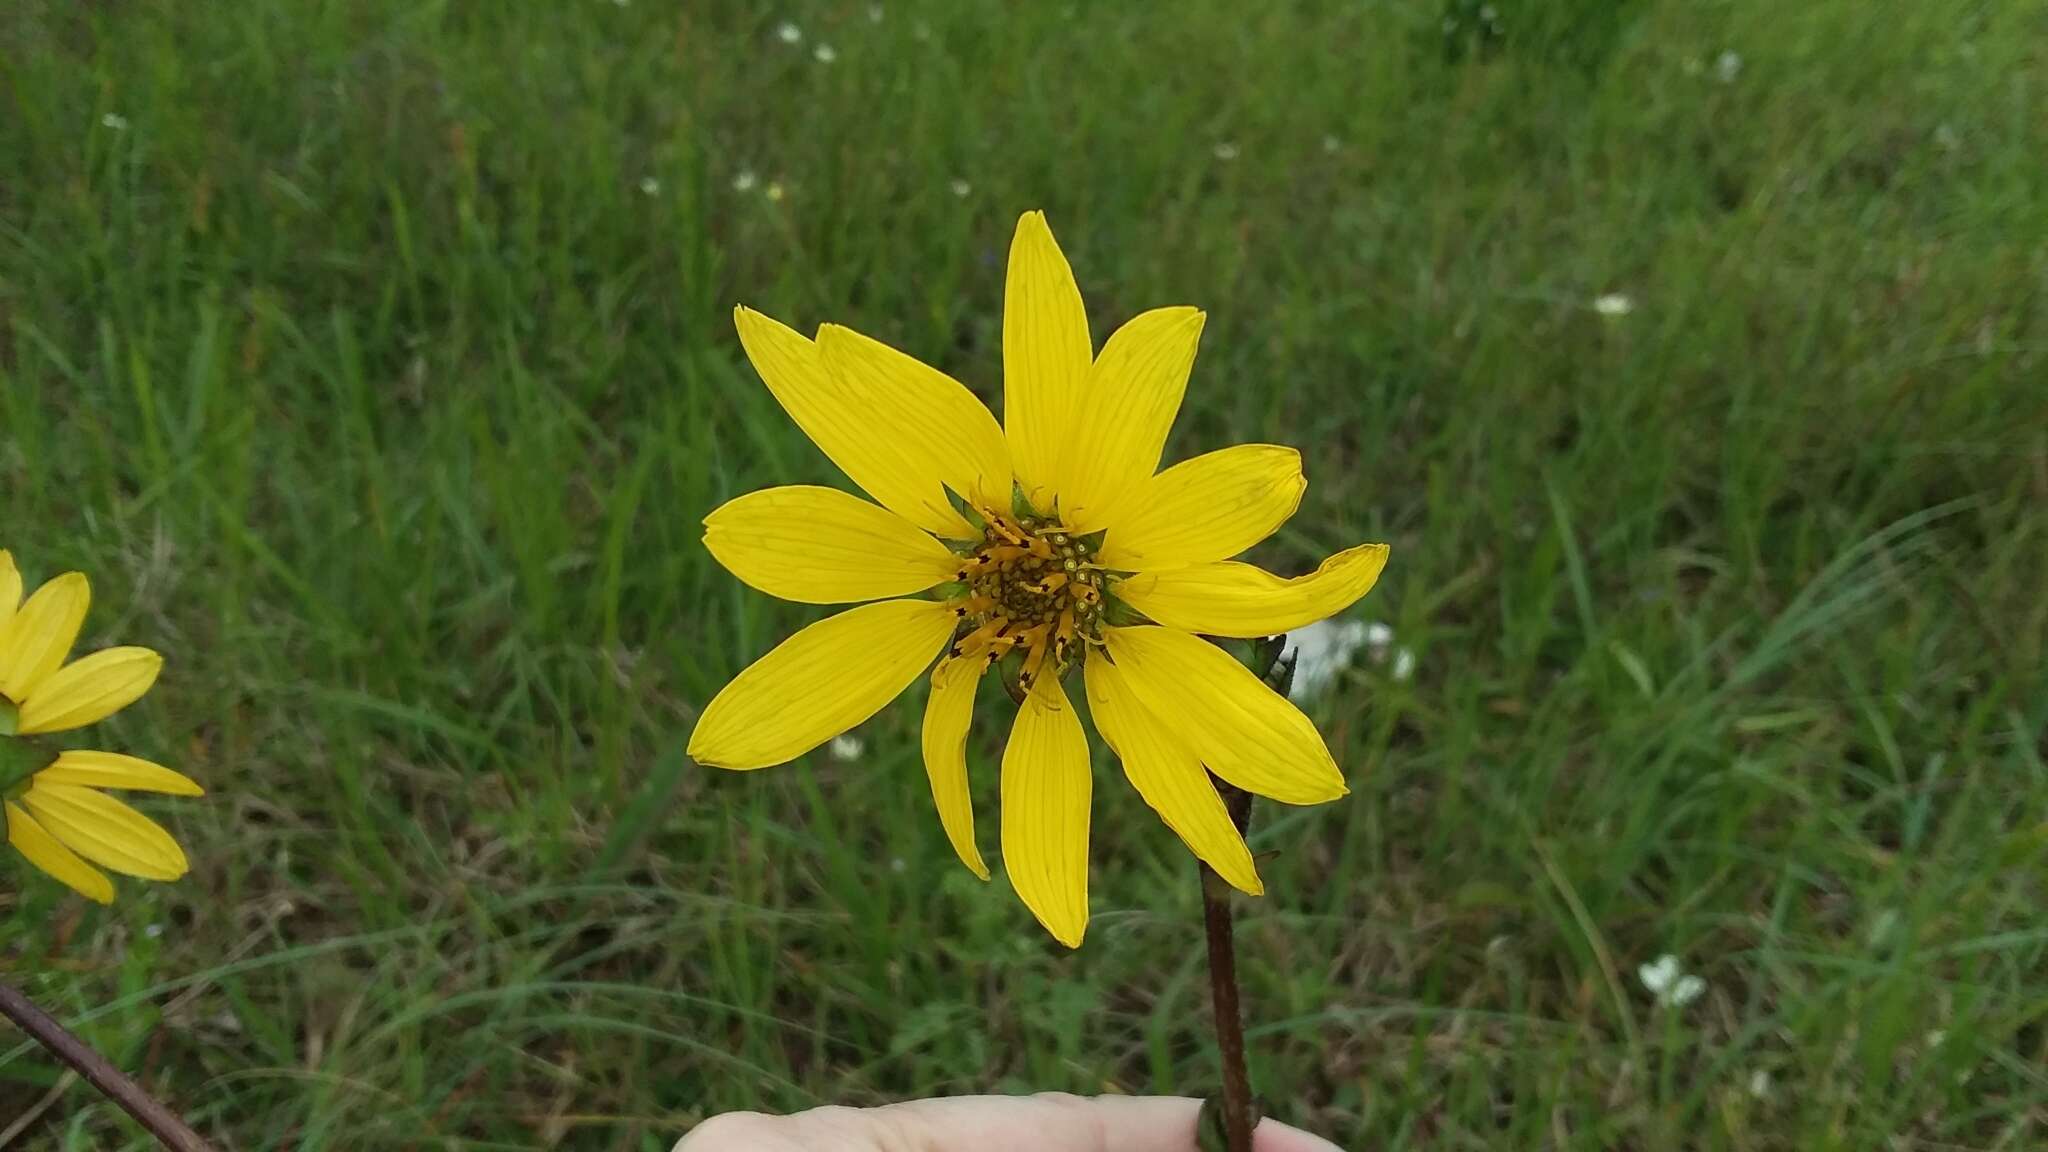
(366, 381)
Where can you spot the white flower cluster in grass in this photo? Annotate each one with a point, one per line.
(824, 54)
(1614, 304)
(789, 33)
(1668, 983)
(1320, 651)
(1323, 649)
(846, 749)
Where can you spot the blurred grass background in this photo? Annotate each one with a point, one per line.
(375, 360)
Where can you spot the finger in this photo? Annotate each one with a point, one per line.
(1047, 1123)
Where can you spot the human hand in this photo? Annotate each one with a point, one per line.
(1052, 1122)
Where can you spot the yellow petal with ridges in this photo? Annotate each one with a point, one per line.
(820, 682)
(10, 588)
(823, 546)
(1205, 509)
(858, 432)
(1169, 776)
(1046, 356)
(112, 770)
(933, 420)
(1126, 409)
(1233, 599)
(89, 690)
(947, 714)
(105, 831)
(1045, 811)
(35, 642)
(41, 849)
(1244, 731)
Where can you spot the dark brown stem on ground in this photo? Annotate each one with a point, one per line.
(1216, 894)
(162, 1123)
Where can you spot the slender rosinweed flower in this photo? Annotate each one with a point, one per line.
(1050, 544)
(54, 808)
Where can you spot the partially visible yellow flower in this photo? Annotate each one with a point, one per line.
(1052, 539)
(56, 816)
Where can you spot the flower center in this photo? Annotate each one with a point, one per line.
(1031, 586)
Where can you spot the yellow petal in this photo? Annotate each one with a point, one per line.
(947, 714)
(1046, 356)
(1233, 599)
(1126, 409)
(1243, 730)
(35, 642)
(1169, 776)
(10, 588)
(113, 770)
(1045, 812)
(824, 546)
(819, 683)
(857, 432)
(41, 849)
(89, 690)
(1205, 509)
(105, 831)
(933, 421)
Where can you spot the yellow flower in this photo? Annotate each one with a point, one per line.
(56, 815)
(1051, 539)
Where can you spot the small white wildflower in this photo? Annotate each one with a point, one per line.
(789, 33)
(773, 192)
(649, 185)
(1404, 664)
(1225, 150)
(961, 188)
(1377, 637)
(1727, 66)
(846, 748)
(1668, 983)
(115, 120)
(744, 180)
(1614, 304)
(1321, 650)
(898, 865)
(153, 931)
(1331, 145)
(824, 54)
(1760, 1084)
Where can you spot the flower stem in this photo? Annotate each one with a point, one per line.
(41, 1027)
(1238, 1116)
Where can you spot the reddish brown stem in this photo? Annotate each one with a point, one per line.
(1216, 892)
(41, 1027)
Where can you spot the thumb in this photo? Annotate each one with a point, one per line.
(1047, 1123)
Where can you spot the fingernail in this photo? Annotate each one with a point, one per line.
(1273, 1136)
